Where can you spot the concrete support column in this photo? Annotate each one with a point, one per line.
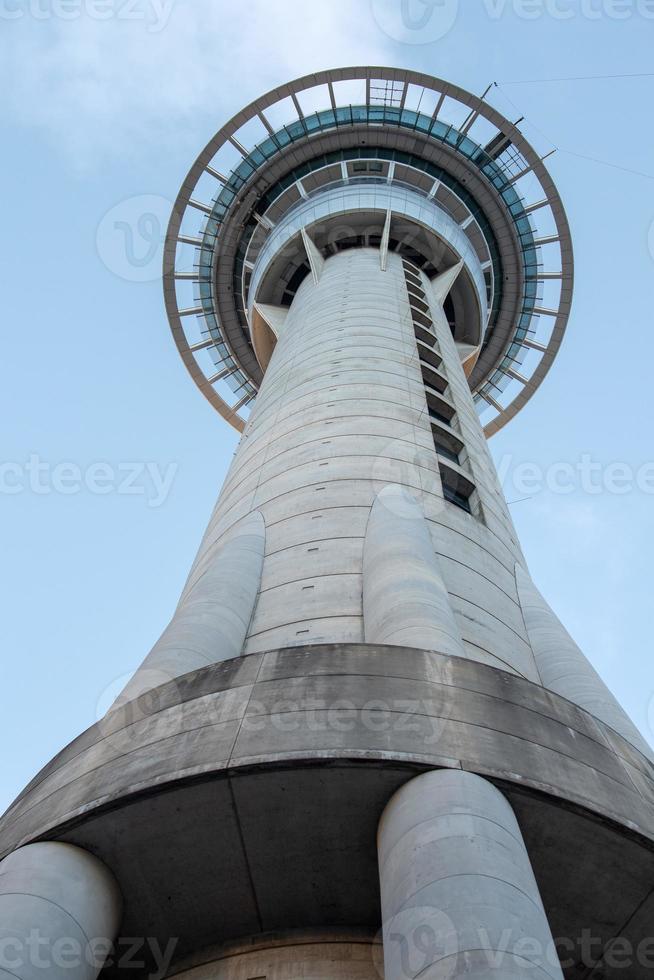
(60, 910)
(564, 669)
(214, 612)
(459, 897)
(404, 599)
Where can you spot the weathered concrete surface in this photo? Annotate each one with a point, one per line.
(270, 772)
(60, 910)
(341, 701)
(458, 894)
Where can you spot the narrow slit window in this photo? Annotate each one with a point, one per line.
(456, 488)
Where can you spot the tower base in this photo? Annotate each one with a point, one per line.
(245, 797)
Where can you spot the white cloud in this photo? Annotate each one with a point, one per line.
(104, 76)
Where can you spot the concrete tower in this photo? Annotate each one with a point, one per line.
(364, 746)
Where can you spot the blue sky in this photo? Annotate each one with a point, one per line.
(105, 105)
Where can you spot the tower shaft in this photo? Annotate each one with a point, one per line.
(365, 389)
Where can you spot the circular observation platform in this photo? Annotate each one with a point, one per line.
(391, 134)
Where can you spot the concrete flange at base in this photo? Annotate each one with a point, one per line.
(244, 797)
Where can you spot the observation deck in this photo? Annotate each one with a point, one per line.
(385, 133)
